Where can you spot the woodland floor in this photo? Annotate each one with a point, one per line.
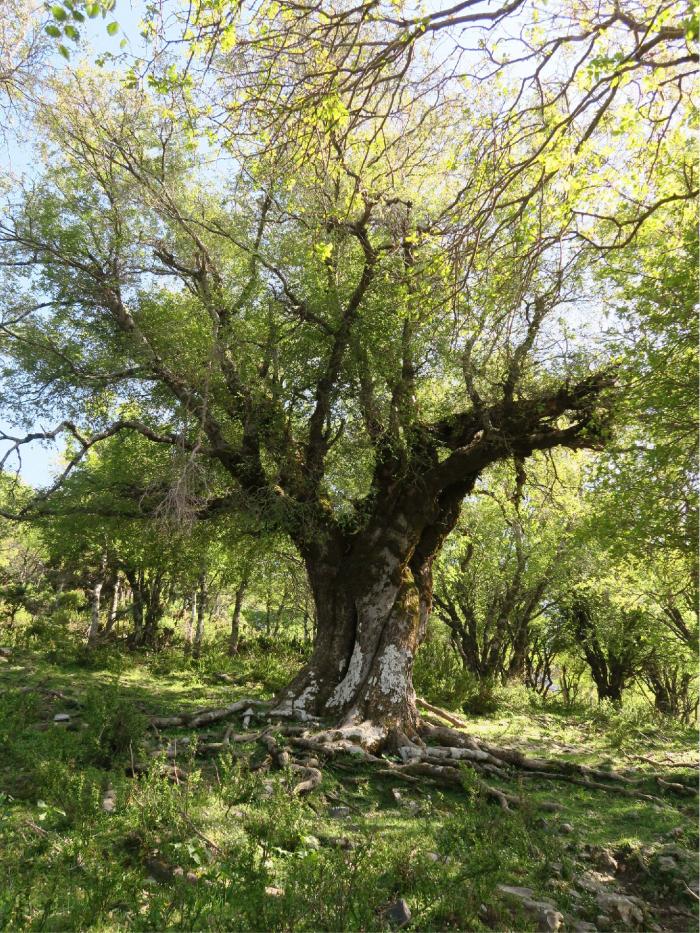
(211, 843)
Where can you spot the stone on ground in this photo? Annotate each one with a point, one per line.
(398, 913)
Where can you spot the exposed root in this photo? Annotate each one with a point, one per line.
(442, 762)
(445, 774)
(329, 749)
(468, 748)
(682, 789)
(311, 778)
(364, 736)
(290, 709)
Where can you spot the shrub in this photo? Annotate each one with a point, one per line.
(115, 727)
(439, 674)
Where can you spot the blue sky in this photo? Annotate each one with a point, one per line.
(41, 460)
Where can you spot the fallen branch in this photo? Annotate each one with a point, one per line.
(205, 717)
(443, 713)
(666, 763)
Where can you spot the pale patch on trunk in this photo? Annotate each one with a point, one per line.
(345, 691)
(373, 611)
(392, 671)
(296, 707)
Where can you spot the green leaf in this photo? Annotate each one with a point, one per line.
(72, 33)
(64, 52)
(112, 27)
(59, 13)
(52, 31)
(92, 9)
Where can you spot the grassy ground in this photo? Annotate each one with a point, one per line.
(83, 845)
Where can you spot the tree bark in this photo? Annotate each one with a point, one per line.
(137, 606)
(191, 622)
(201, 608)
(373, 595)
(94, 629)
(154, 612)
(113, 606)
(95, 619)
(236, 618)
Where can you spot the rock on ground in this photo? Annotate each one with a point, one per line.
(398, 913)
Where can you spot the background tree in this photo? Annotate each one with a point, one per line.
(509, 554)
(24, 571)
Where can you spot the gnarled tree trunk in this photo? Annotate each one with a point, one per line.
(373, 595)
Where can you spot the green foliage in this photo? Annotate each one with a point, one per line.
(68, 12)
(439, 675)
(115, 727)
(648, 477)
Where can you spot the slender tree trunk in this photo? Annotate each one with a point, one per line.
(114, 606)
(153, 603)
(268, 613)
(137, 606)
(201, 608)
(278, 615)
(58, 595)
(94, 629)
(236, 618)
(191, 622)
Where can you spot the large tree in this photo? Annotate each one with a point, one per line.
(330, 335)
